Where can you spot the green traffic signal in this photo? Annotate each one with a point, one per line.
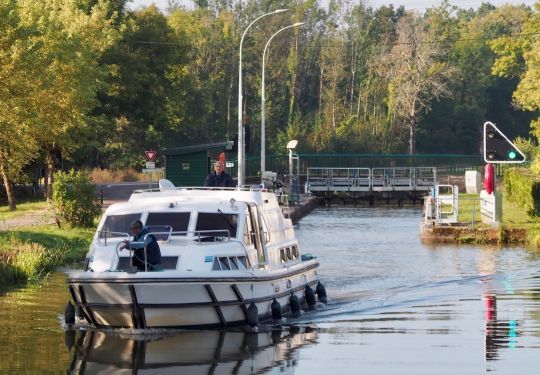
(498, 148)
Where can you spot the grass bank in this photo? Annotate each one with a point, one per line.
(30, 253)
(22, 209)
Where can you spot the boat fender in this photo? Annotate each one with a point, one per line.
(253, 315)
(295, 304)
(276, 310)
(69, 314)
(69, 338)
(321, 293)
(309, 294)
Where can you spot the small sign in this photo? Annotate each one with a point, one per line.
(152, 170)
(150, 155)
(229, 164)
(150, 164)
(186, 166)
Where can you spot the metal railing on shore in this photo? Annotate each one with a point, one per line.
(371, 179)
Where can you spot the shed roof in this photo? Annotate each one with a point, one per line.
(197, 148)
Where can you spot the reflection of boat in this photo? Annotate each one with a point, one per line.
(201, 352)
(228, 256)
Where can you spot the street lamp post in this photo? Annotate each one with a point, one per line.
(293, 188)
(263, 98)
(240, 145)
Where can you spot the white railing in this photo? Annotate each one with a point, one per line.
(371, 179)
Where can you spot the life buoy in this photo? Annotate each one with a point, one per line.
(489, 178)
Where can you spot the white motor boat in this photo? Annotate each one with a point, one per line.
(228, 256)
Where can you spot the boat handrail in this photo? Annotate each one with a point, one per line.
(169, 233)
(241, 188)
(110, 234)
(196, 233)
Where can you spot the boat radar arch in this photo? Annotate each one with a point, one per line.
(166, 185)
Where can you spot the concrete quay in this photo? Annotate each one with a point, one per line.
(307, 204)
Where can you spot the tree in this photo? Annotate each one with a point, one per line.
(50, 53)
(20, 64)
(417, 71)
(521, 57)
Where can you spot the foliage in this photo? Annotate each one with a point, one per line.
(29, 254)
(523, 189)
(73, 199)
(24, 261)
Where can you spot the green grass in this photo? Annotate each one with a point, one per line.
(469, 209)
(28, 254)
(22, 208)
(512, 214)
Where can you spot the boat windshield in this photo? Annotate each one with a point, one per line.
(117, 225)
(179, 221)
(217, 224)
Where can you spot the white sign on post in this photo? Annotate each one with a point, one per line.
(150, 164)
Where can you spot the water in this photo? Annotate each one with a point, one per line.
(397, 307)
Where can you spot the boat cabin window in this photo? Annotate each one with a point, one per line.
(217, 224)
(288, 253)
(230, 263)
(117, 225)
(224, 263)
(179, 221)
(243, 263)
(295, 252)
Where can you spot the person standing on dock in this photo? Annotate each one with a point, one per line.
(219, 178)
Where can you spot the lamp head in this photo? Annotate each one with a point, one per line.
(281, 10)
(299, 24)
(292, 144)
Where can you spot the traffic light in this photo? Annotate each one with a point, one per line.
(498, 148)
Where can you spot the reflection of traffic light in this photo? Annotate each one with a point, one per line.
(498, 148)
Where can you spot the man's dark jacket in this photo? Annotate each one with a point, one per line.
(153, 253)
(219, 180)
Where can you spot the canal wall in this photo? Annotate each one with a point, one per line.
(307, 204)
(468, 234)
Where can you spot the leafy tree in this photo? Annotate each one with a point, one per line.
(417, 71)
(521, 57)
(21, 65)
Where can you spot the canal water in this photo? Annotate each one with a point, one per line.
(397, 307)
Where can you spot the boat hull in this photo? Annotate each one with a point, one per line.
(168, 300)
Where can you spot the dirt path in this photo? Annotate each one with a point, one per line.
(39, 217)
(36, 217)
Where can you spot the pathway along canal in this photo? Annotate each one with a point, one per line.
(398, 307)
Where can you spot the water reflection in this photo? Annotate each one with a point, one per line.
(209, 352)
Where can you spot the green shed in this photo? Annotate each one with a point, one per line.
(189, 165)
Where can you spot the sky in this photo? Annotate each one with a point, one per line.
(409, 4)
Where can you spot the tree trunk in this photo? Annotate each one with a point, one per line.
(412, 135)
(49, 171)
(9, 188)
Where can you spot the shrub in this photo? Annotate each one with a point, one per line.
(73, 199)
(523, 188)
(21, 261)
